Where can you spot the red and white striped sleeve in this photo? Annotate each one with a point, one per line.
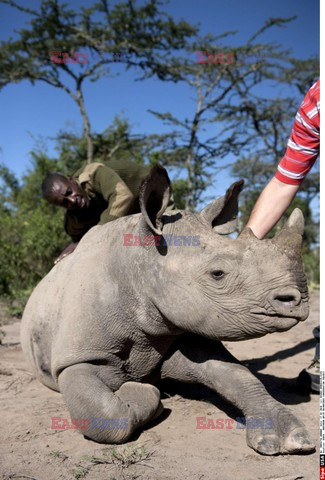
(303, 145)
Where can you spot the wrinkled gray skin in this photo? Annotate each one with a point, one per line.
(109, 320)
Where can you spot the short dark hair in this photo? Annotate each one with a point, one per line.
(48, 182)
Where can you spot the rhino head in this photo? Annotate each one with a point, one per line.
(216, 286)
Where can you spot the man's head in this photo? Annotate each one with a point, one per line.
(64, 192)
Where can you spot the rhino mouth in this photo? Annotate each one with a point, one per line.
(280, 321)
(276, 315)
(286, 311)
(277, 322)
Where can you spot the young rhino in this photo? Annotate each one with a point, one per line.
(108, 321)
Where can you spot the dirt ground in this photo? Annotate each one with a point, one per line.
(170, 449)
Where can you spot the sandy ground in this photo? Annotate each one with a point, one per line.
(170, 449)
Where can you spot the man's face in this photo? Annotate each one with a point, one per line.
(67, 193)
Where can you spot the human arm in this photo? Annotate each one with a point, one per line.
(301, 153)
(270, 206)
(111, 187)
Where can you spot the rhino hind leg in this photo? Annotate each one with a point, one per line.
(271, 427)
(111, 416)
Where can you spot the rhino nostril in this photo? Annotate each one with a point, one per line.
(284, 298)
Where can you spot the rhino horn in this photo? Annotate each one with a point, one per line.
(247, 234)
(290, 236)
(295, 222)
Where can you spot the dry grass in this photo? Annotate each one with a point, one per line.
(120, 457)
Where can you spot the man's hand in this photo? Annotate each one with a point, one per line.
(69, 249)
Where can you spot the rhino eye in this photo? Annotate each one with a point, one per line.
(218, 274)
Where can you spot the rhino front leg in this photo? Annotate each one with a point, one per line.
(200, 360)
(111, 416)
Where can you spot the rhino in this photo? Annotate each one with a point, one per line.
(111, 320)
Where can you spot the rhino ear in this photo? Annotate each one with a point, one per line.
(154, 197)
(222, 213)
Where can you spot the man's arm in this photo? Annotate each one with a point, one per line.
(270, 206)
(301, 153)
(112, 188)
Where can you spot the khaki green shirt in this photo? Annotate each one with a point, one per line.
(113, 190)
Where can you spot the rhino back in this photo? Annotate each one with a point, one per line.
(79, 311)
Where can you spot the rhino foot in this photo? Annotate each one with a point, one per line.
(142, 399)
(286, 434)
(112, 416)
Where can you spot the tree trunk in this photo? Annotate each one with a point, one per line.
(189, 197)
(86, 125)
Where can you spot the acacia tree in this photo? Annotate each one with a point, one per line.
(115, 142)
(264, 125)
(217, 86)
(226, 103)
(138, 36)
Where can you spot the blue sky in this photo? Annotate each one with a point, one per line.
(40, 111)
